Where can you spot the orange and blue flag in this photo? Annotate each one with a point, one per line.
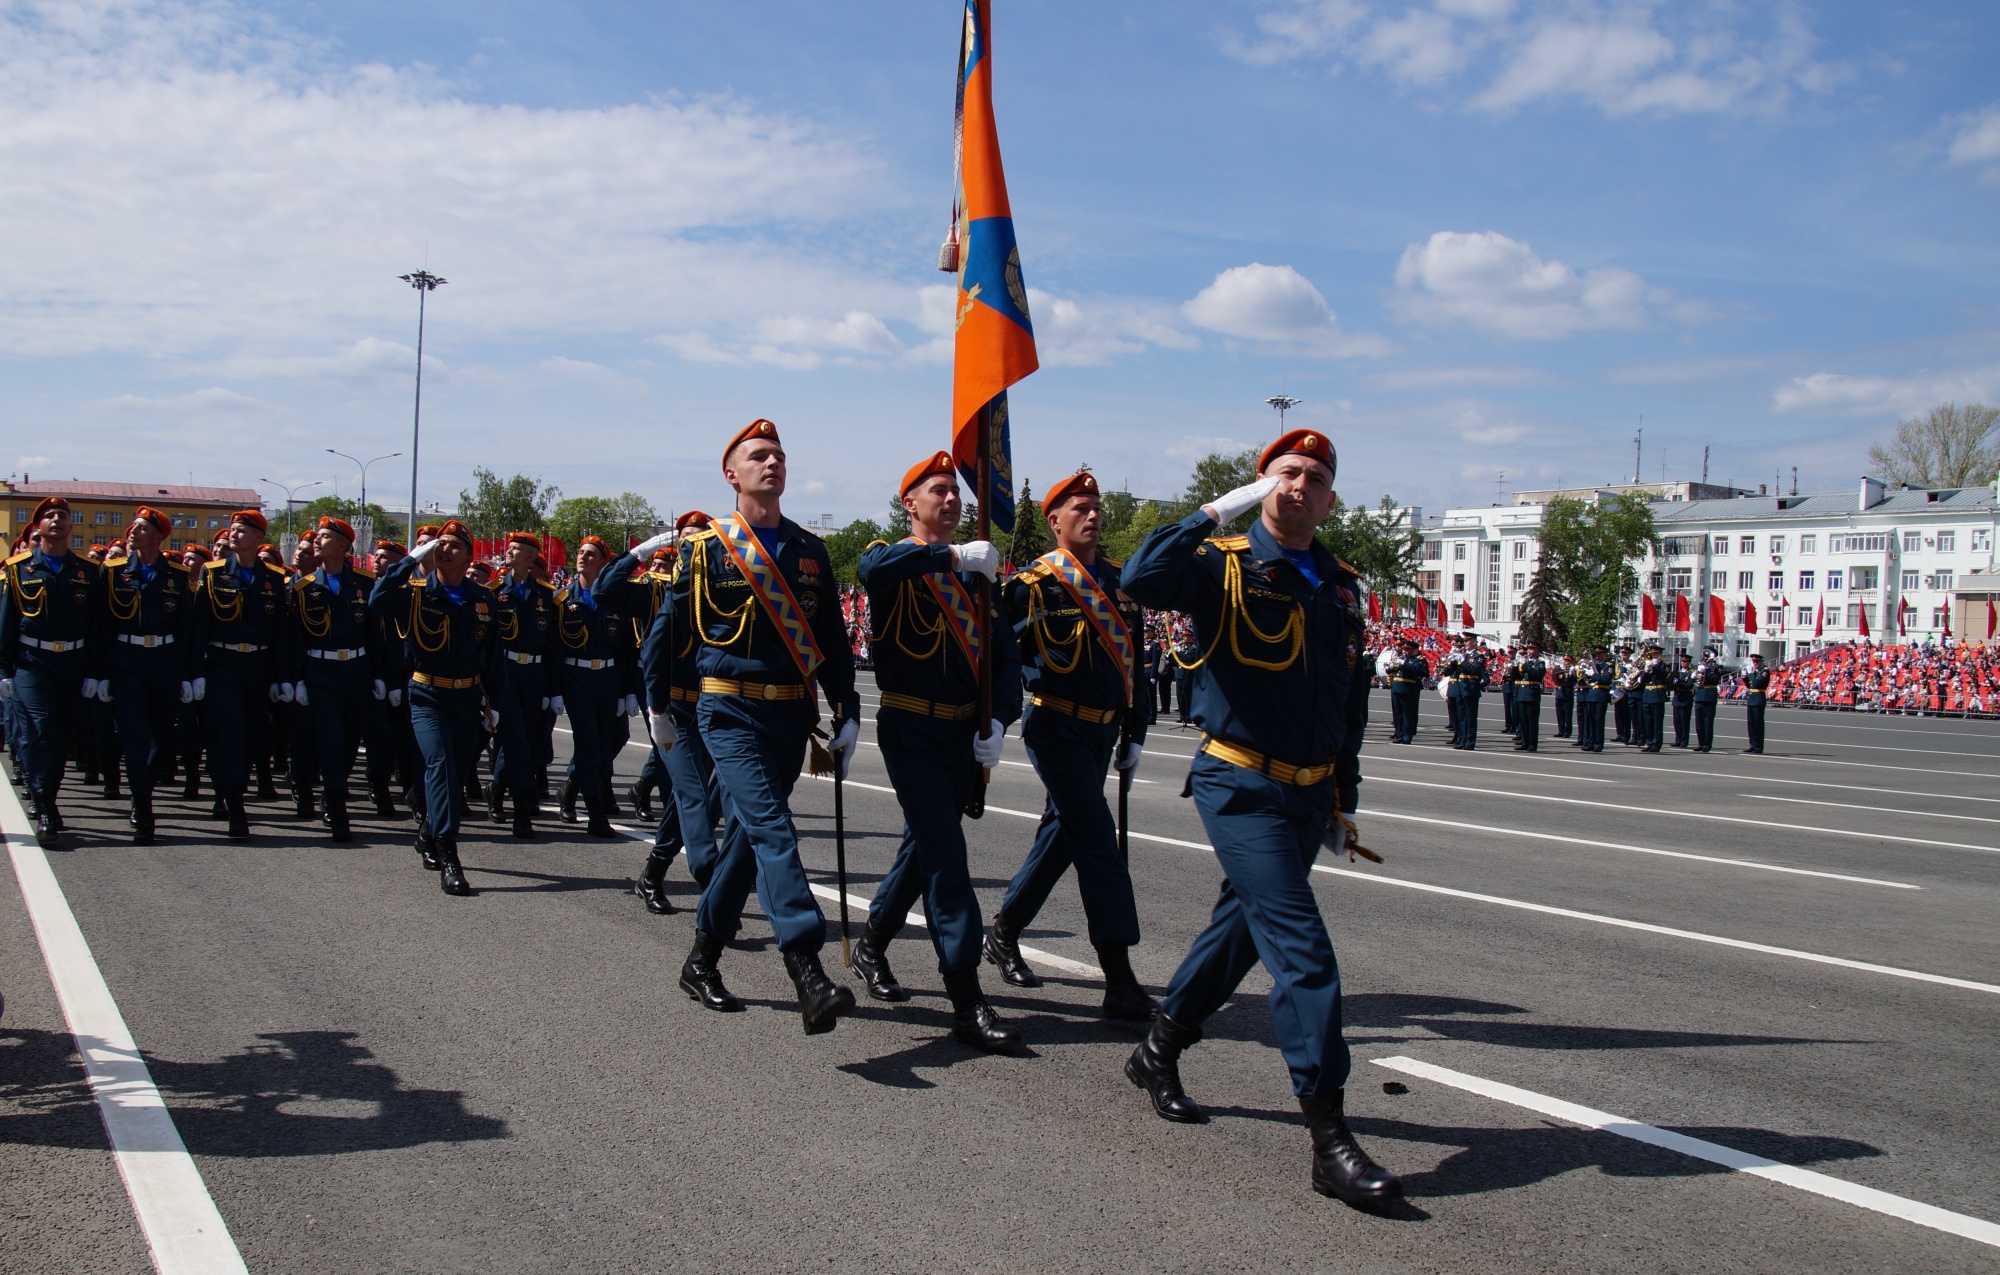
(994, 344)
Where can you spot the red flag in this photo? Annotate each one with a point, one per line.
(1819, 617)
(1718, 615)
(1423, 614)
(1864, 619)
(1374, 607)
(1784, 612)
(1947, 621)
(556, 553)
(1682, 622)
(1902, 629)
(1649, 613)
(1749, 615)
(1991, 617)
(1465, 614)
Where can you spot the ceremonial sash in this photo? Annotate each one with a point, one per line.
(1097, 608)
(960, 612)
(768, 584)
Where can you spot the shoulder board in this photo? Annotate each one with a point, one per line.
(175, 563)
(365, 572)
(118, 561)
(1231, 544)
(215, 565)
(695, 537)
(299, 585)
(1347, 566)
(1113, 563)
(271, 567)
(1036, 570)
(22, 556)
(812, 536)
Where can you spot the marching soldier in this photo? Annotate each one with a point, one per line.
(1756, 685)
(1656, 678)
(928, 629)
(1683, 689)
(1624, 703)
(693, 804)
(1503, 672)
(451, 658)
(525, 609)
(1282, 701)
(239, 626)
(1596, 681)
(188, 729)
(149, 604)
(1079, 660)
(1565, 677)
(341, 691)
(388, 637)
(1406, 692)
(594, 660)
(1526, 689)
(47, 618)
(758, 590)
(1468, 683)
(1707, 691)
(637, 596)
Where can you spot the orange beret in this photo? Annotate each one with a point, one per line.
(692, 518)
(339, 526)
(45, 504)
(937, 463)
(390, 546)
(252, 517)
(429, 529)
(199, 551)
(457, 531)
(1081, 483)
(759, 428)
(1300, 442)
(159, 520)
(594, 540)
(663, 552)
(527, 538)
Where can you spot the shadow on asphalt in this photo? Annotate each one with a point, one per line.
(293, 1094)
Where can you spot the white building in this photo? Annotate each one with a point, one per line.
(1801, 562)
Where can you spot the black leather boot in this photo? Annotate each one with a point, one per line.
(524, 815)
(566, 807)
(1003, 951)
(700, 978)
(219, 808)
(652, 885)
(111, 788)
(821, 1000)
(426, 844)
(640, 794)
(336, 817)
(496, 803)
(1124, 999)
(1341, 1168)
(599, 824)
(474, 794)
(973, 1021)
(142, 821)
(191, 790)
(267, 788)
(385, 805)
(1155, 1066)
(239, 819)
(303, 795)
(871, 962)
(45, 821)
(610, 803)
(451, 876)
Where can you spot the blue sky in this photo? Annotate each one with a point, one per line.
(1474, 236)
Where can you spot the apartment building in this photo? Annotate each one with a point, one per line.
(101, 511)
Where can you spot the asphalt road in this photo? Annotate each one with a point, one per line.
(373, 1076)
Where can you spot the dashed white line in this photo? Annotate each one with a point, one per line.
(1880, 810)
(1972, 1228)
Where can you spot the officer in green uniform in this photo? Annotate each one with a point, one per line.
(1708, 677)
(524, 609)
(1756, 686)
(48, 616)
(148, 661)
(1282, 700)
(1525, 686)
(342, 690)
(239, 624)
(1407, 673)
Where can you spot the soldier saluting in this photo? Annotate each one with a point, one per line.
(1282, 699)
(341, 688)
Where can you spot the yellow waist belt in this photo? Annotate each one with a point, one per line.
(930, 708)
(751, 690)
(1082, 712)
(682, 693)
(445, 683)
(1271, 767)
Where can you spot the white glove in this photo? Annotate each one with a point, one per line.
(423, 550)
(1228, 505)
(187, 692)
(299, 692)
(90, 688)
(381, 689)
(395, 696)
(645, 548)
(555, 703)
(987, 747)
(545, 701)
(281, 692)
(200, 688)
(842, 744)
(104, 690)
(493, 720)
(1128, 758)
(978, 557)
(6, 689)
(661, 727)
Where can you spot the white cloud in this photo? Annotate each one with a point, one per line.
(1839, 394)
(1474, 426)
(1975, 140)
(1440, 377)
(214, 402)
(1487, 281)
(1276, 305)
(369, 363)
(1618, 56)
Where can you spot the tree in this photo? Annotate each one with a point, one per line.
(1541, 612)
(1382, 544)
(899, 520)
(494, 507)
(1587, 552)
(1149, 514)
(1950, 446)
(309, 514)
(844, 547)
(1031, 538)
(1216, 474)
(615, 518)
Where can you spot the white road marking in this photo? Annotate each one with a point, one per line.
(1489, 770)
(1880, 810)
(1669, 931)
(184, 1231)
(1922, 1214)
(1614, 845)
(1878, 748)
(1692, 814)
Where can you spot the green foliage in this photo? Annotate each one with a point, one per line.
(1541, 612)
(1031, 538)
(844, 547)
(495, 507)
(1216, 474)
(616, 518)
(898, 525)
(1147, 515)
(1587, 552)
(1380, 543)
(309, 514)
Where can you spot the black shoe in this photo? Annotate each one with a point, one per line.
(1124, 1000)
(652, 886)
(701, 980)
(599, 824)
(821, 1000)
(871, 962)
(336, 818)
(304, 807)
(1340, 1167)
(111, 789)
(566, 808)
(219, 808)
(451, 875)
(640, 795)
(524, 817)
(426, 845)
(239, 819)
(496, 803)
(142, 821)
(1003, 952)
(973, 1021)
(266, 789)
(45, 821)
(191, 790)
(1155, 1066)
(385, 805)
(610, 805)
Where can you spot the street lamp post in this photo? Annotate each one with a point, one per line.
(425, 283)
(364, 472)
(1284, 403)
(317, 482)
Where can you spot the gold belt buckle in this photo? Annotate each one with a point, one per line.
(340, 657)
(770, 691)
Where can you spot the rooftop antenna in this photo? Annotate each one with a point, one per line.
(1498, 485)
(1795, 480)
(1638, 452)
(1704, 464)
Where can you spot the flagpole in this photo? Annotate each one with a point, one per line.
(984, 476)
